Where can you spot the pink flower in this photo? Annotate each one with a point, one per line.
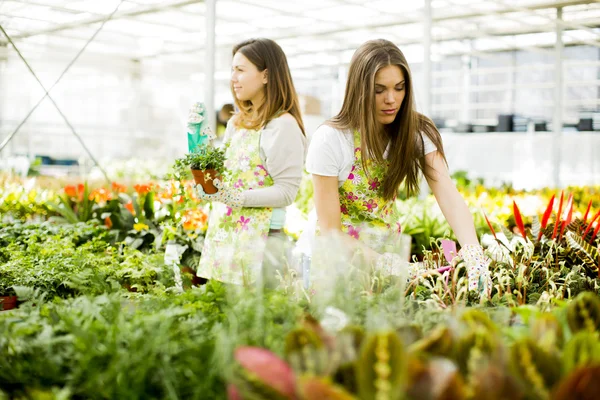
(239, 184)
(354, 232)
(261, 183)
(351, 196)
(371, 204)
(374, 184)
(229, 210)
(351, 175)
(243, 223)
(344, 209)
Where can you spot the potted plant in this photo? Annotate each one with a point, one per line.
(206, 163)
(8, 298)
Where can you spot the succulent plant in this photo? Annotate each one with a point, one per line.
(536, 369)
(381, 367)
(581, 384)
(582, 349)
(306, 352)
(344, 355)
(493, 382)
(473, 319)
(437, 378)
(438, 342)
(313, 388)
(260, 375)
(546, 330)
(474, 349)
(583, 313)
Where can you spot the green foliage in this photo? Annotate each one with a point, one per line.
(205, 157)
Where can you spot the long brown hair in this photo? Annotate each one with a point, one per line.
(406, 154)
(280, 94)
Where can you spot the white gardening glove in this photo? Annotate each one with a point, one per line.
(226, 195)
(477, 265)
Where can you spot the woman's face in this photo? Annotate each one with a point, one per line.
(389, 93)
(247, 81)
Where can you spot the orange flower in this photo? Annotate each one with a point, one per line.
(70, 190)
(117, 187)
(167, 193)
(129, 206)
(100, 195)
(108, 222)
(75, 191)
(194, 219)
(143, 188)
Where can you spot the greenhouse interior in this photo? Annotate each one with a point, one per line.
(316, 199)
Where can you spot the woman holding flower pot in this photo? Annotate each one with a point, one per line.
(264, 160)
(359, 158)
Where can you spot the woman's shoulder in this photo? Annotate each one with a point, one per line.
(283, 120)
(328, 132)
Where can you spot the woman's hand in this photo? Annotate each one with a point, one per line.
(477, 265)
(226, 195)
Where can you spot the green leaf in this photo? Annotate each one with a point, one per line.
(149, 206)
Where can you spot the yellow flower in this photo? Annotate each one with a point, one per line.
(140, 227)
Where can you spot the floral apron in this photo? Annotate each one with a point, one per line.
(235, 241)
(365, 214)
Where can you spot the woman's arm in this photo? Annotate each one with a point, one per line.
(451, 202)
(283, 149)
(327, 202)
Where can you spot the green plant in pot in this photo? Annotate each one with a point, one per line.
(204, 159)
(206, 164)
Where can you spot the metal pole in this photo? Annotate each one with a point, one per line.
(209, 76)
(427, 76)
(465, 95)
(427, 21)
(3, 72)
(557, 123)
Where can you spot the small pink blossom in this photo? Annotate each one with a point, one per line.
(351, 196)
(243, 223)
(354, 232)
(371, 204)
(374, 184)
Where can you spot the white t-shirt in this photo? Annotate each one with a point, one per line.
(331, 152)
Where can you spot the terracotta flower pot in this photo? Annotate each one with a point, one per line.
(207, 184)
(196, 280)
(8, 302)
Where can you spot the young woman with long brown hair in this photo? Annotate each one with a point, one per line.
(264, 163)
(359, 158)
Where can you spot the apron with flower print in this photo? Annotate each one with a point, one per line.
(365, 214)
(235, 241)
